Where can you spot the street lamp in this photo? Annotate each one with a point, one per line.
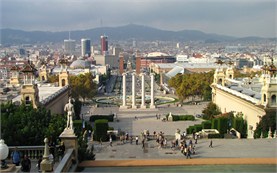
(4, 151)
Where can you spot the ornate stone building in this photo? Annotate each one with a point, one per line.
(252, 96)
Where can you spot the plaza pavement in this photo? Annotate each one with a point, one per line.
(146, 119)
(224, 151)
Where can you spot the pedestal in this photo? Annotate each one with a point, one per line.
(70, 140)
(123, 107)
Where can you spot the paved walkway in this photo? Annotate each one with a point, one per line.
(224, 152)
(180, 162)
(222, 148)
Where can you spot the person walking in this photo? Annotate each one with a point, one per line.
(26, 164)
(189, 152)
(111, 141)
(211, 144)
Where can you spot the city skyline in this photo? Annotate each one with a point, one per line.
(234, 18)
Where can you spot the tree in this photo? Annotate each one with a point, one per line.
(266, 122)
(53, 78)
(83, 86)
(24, 125)
(192, 85)
(211, 111)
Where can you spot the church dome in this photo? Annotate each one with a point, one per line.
(80, 64)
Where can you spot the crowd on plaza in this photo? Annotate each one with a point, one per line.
(186, 145)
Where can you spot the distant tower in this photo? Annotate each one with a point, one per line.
(269, 87)
(121, 63)
(104, 44)
(69, 46)
(29, 90)
(230, 71)
(63, 75)
(85, 46)
(14, 80)
(138, 62)
(43, 74)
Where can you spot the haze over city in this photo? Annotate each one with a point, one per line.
(238, 18)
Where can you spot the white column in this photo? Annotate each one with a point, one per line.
(142, 92)
(123, 91)
(134, 91)
(152, 104)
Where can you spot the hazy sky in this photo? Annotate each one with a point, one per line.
(229, 17)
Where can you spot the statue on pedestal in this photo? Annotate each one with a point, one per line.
(69, 108)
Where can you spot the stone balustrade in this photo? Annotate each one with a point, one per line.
(33, 152)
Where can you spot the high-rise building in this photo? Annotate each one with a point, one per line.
(85, 47)
(104, 44)
(69, 46)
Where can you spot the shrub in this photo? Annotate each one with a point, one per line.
(197, 127)
(186, 118)
(240, 125)
(101, 128)
(93, 118)
(182, 117)
(222, 125)
(215, 124)
(206, 125)
(190, 129)
(210, 136)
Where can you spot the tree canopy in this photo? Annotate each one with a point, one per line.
(192, 85)
(24, 125)
(83, 86)
(211, 111)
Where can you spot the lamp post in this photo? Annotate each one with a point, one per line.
(4, 151)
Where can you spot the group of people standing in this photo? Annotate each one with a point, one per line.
(25, 162)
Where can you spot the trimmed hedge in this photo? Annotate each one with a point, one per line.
(215, 123)
(214, 136)
(101, 128)
(206, 125)
(93, 118)
(197, 127)
(240, 125)
(190, 130)
(182, 117)
(222, 125)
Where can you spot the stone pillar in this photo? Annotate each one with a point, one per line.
(152, 103)
(142, 91)
(46, 165)
(124, 106)
(70, 140)
(134, 106)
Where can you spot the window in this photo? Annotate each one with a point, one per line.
(63, 82)
(264, 98)
(27, 100)
(220, 81)
(273, 100)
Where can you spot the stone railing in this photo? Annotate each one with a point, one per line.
(68, 163)
(33, 152)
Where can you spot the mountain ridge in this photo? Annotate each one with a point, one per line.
(126, 32)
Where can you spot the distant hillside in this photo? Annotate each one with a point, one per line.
(137, 32)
